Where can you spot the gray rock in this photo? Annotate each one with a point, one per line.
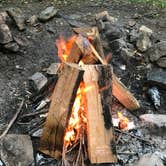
(133, 36)
(3, 17)
(16, 150)
(143, 42)
(100, 25)
(48, 13)
(53, 68)
(5, 34)
(38, 81)
(157, 77)
(157, 51)
(12, 46)
(131, 23)
(104, 16)
(17, 15)
(32, 20)
(162, 62)
(145, 30)
(150, 160)
(158, 120)
(75, 23)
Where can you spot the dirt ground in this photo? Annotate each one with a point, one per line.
(38, 50)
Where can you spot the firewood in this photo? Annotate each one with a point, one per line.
(75, 53)
(94, 33)
(119, 90)
(124, 96)
(51, 142)
(101, 140)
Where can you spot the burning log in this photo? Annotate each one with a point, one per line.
(101, 140)
(51, 142)
(93, 33)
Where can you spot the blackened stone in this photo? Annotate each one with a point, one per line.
(157, 77)
(117, 44)
(133, 36)
(157, 51)
(114, 34)
(17, 15)
(5, 34)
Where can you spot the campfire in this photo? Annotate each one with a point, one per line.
(79, 118)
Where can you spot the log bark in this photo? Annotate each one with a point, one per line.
(51, 142)
(101, 140)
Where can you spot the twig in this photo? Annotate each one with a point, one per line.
(34, 114)
(139, 138)
(75, 145)
(12, 120)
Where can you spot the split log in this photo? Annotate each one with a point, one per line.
(63, 97)
(101, 140)
(124, 96)
(94, 34)
(75, 53)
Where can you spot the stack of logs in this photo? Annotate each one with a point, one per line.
(94, 71)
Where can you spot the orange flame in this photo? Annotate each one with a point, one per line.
(64, 47)
(78, 117)
(124, 121)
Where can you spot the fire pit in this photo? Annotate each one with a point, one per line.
(79, 118)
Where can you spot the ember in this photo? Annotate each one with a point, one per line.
(123, 123)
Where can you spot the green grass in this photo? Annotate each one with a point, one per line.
(156, 3)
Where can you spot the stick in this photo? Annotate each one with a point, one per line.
(34, 114)
(12, 120)
(139, 138)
